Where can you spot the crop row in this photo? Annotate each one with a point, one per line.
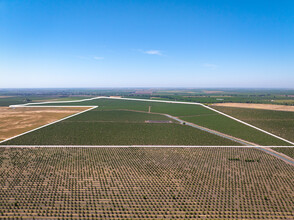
(142, 183)
(191, 113)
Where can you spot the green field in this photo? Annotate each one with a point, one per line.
(105, 127)
(14, 100)
(144, 183)
(280, 123)
(167, 108)
(228, 126)
(192, 113)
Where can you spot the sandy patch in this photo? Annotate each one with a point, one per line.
(2, 97)
(258, 106)
(14, 121)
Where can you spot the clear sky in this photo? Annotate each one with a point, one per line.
(197, 43)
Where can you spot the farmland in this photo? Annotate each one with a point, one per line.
(273, 107)
(266, 96)
(269, 96)
(234, 128)
(13, 99)
(192, 113)
(14, 121)
(113, 127)
(141, 183)
(280, 123)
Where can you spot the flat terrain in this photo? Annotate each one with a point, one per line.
(289, 151)
(5, 101)
(280, 123)
(192, 113)
(118, 127)
(14, 121)
(257, 106)
(141, 183)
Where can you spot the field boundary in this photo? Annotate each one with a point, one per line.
(226, 136)
(264, 149)
(205, 106)
(125, 146)
(267, 150)
(223, 135)
(250, 125)
(43, 126)
(147, 100)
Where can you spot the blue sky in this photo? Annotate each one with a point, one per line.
(207, 43)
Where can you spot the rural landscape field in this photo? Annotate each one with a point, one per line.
(129, 158)
(139, 109)
(144, 183)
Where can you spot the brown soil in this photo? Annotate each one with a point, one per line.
(2, 97)
(14, 121)
(258, 106)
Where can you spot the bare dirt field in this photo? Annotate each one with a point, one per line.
(2, 97)
(19, 120)
(258, 106)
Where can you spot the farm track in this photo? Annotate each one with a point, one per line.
(238, 140)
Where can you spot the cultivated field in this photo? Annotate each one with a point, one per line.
(141, 183)
(192, 113)
(118, 127)
(280, 123)
(14, 121)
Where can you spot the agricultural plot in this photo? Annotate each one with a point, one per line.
(191, 113)
(118, 127)
(280, 123)
(11, 100)
(14, 121)
(141, 183)
(228, 126)
(156, 107)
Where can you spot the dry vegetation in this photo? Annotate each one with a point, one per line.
(142, 183)
(14, 121)
(257, 106)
